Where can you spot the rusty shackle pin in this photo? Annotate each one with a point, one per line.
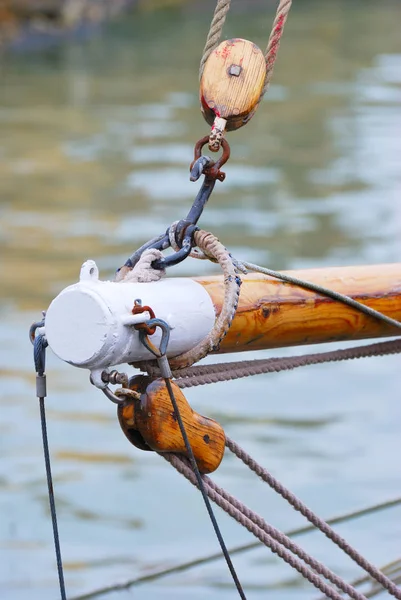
(139, 309)
(213, 169)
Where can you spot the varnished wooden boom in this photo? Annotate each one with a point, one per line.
(274, 314)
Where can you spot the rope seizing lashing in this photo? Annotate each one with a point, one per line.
(214, 250)
(209, 247)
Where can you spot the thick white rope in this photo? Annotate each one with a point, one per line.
(274, 40)
(216, 27)
(143, 272)
(211, 247)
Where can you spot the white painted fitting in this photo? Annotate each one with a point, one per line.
(89, 324)
(219, 123)
(135, 319)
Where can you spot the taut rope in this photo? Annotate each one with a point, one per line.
(259, 528)
(296, 503)
(204, 374)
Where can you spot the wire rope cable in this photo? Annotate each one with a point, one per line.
(201, 486)
(39, 354)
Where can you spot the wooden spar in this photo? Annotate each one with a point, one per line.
(275, 314)
(90, 324)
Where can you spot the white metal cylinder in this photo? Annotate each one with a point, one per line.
(90, 324)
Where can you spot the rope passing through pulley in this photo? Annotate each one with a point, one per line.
(235, 75)
(231, 87)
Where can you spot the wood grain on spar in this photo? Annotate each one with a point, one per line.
(274, 314)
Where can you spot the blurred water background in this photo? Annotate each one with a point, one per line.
(96, 139)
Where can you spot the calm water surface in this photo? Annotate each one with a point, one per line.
(95, 144)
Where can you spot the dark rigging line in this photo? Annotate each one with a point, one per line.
(202, 489)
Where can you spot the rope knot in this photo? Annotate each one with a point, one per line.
(143, 272)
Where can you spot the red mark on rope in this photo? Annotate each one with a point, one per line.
(280, 23)
(278, 32)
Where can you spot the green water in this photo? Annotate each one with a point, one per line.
(95, 143)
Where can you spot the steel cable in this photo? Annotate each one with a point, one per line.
(200, 484)
(39, 354)
(325, 292)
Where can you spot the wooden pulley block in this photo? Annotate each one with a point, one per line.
(150, 423)
(232, 82)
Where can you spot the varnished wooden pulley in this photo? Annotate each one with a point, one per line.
(150, 423)
(232, 82)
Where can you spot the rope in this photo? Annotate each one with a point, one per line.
(229, 505)
(216, 27)
(200, 484)
(392, 570)
(285, 541)
(195, 252)
(142, 272)
(274, 41)
(178, 568)
(210, 245)
(201, 375)
(39, 355)
(52, 503)
(298, 505)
